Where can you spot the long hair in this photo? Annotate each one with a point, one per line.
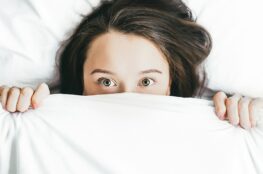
(167, 23)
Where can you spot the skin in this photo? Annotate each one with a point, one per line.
(20, 99)
(119, 63)
(130, 58)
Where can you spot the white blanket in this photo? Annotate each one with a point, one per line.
(126, 134)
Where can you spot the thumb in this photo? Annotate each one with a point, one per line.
(40, 94)
(220, 106)
(257, 111)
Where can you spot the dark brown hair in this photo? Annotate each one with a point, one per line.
(167, 23)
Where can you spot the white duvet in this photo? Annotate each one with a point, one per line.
(126, 133)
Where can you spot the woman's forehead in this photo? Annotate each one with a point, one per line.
(114, 49)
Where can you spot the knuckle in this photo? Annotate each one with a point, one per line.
(5, 90)
(219, 95)
(43, 85)
(26, 91)
(14, 91)
(252, 105)
(242, 104)
(245, 101)
(237, 96)
(230, 101)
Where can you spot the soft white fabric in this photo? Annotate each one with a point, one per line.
(126, 133)
(235, 63)
(30, 32)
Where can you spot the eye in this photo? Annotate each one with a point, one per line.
(147, 82)
(106, 82)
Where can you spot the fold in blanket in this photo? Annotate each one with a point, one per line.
(126, 133)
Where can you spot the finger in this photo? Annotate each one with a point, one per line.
(12, 98)
(255, 111)
(220, 106)
(244, 112)
(24, 99)
(1, 89)
(232, 108)
(40, 94)
(4, 94)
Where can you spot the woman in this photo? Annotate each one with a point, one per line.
(142, 46)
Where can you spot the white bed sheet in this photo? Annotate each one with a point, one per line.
(126, 133)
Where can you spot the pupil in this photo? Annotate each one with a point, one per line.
(146, 82)
(106, 82)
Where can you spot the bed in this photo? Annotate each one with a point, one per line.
(128, 132)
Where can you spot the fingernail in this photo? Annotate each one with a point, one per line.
(248, 127)
(35, 105)
(221, 116)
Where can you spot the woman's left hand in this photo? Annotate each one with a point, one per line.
(238, 110)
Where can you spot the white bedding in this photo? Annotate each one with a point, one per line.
(126, 133)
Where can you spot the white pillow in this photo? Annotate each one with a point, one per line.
(30, 32)
(235, 64)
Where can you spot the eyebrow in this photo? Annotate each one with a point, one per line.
(112, 73)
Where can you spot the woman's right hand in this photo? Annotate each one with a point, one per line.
(20, 99)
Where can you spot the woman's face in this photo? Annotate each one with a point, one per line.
(119, 62)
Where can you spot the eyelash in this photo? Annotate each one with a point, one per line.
(99, 81)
